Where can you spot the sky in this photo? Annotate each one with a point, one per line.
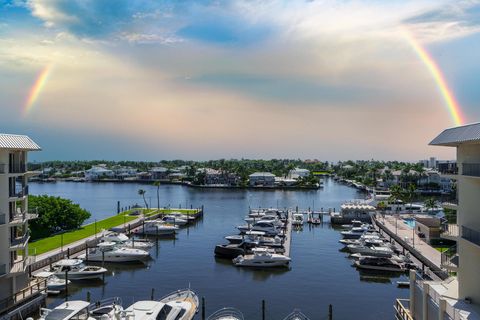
(181, 79)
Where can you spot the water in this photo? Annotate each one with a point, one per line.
(320, 272)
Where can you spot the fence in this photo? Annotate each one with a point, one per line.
(35, 288)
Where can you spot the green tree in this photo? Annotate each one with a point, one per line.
(430, 204)
(142, 193)
(55, 215)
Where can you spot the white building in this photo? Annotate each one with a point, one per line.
(265, 179)
(98, 172)
(14, 217)
(298, 173)
(456, 297)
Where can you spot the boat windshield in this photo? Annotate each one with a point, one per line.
(62, 314)
(163, 314)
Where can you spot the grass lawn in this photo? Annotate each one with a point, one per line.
(44, 245)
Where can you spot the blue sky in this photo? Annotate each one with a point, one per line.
(218, 79)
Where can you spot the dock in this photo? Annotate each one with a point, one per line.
(288, 233)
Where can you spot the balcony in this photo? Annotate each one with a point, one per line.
(450, 231)
(402, 311)
(471, 235)
(21, 217)
(19, 193)
(17, 168)
(450, 259)
(19, 242)
(3, 218)
(471, 169)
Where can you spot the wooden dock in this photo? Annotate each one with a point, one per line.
(288, 233)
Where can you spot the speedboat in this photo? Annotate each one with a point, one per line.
(229, 251)
(226, 314)
(158, 228)
(380, 263)
(354, 224)
(54, 283)
(111, 252)
(76, 270)
(268, 217)
(355, 232)
(296, 315)
(297, 219)
(262, 258)
(109, 309)
(173, 219)
(265, 226)
(179, 305)
(123, 240)
(371, 250)
(394, 257)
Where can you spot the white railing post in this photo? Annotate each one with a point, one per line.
(442, 308)
(426, 288)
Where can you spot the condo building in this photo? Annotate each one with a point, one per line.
(14, 214)
(458, 295)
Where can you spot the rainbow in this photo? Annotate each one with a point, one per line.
(437, 75)
(37, 88)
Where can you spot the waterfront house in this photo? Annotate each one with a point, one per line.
(159, 173)
(298, 173)
(14, 217)
(98, 172)
(124, 173)
(457, 297)
(265, 179)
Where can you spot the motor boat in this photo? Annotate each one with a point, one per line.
(109, 309)
(380, 263)
(356, 232)
(354, 224)
(111, 252)
(180, 305)
(271, 218)
(262, 258)
(226, 314)
(54, 283)
(173, 219)
(123, 240)
(296, 315)
(265, 226)
(297, 219)
(76, 270)
(274, 242)
(75, 309)
(158, 228)
(229, 251)
(394, 257)
(371, 250)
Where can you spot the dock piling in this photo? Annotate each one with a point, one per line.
(152, 293)
(203, 308)
(88, 296)
(66, 285)
(263, 309)
(330, 312)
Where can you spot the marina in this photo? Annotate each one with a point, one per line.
(171, 267)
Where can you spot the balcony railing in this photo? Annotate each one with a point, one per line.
(19, 241)
(19, 194)
(450, 229)
(17, 168)
(450, 170)
(450, 258)
(471, 235)
(35, 288)
(402, 309)
(20, 217)
(471, 169)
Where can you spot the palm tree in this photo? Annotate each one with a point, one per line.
(142, 193)
(409, 193)
(430, 204)
(157, 184)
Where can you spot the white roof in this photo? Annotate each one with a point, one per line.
(17, 142)
(262, 174)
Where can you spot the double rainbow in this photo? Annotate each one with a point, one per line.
(37, 88)
(438, 77)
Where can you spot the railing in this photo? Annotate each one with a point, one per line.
(471, 169)
(22, 216)
(35, 288)
(20, 240)
(19, 194)
(17, 168)
(449, 257)
(402, 309)
(449, 170)
(450, 229)
(471, 235)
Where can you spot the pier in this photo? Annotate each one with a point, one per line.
(288, 233)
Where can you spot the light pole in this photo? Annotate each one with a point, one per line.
(413, 233)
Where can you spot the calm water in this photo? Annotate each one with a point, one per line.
(320, 273)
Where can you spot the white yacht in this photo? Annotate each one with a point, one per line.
(226, 314)
(180, 305)
(265, 226)
(76, 269)
(270, 217)
(54, 283)
(296, 315)
(173, 219)
(123, 240)
(68, 310)
(371, 250)
(111, 252)
(297, 219)
(262, 258)
(158, 228)
(380, 263)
